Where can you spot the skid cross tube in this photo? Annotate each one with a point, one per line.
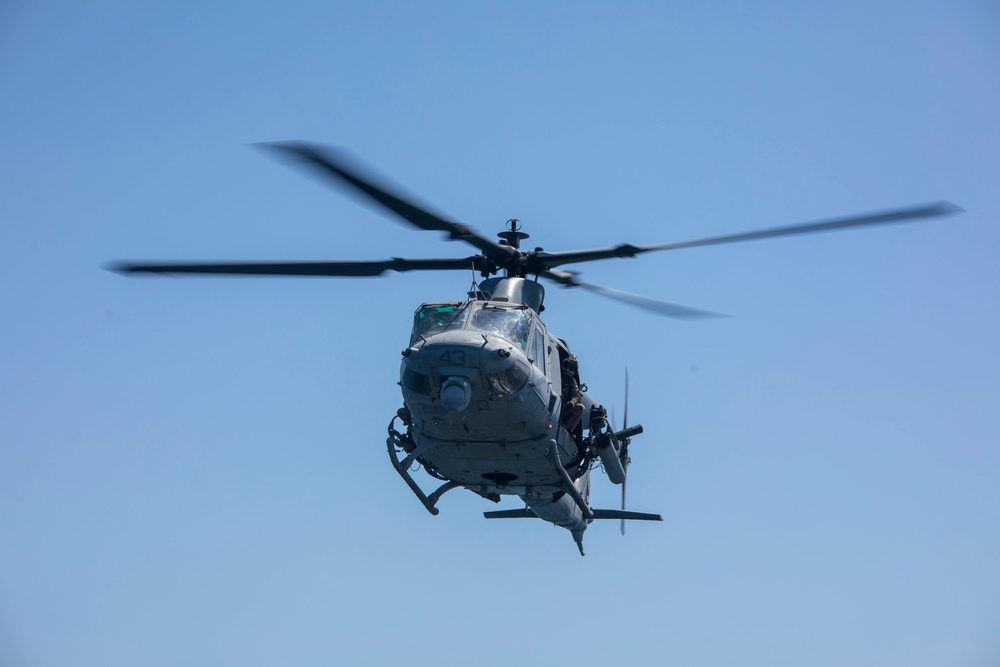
(420, 449)
(441, 490)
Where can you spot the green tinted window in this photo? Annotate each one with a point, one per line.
(432, 320)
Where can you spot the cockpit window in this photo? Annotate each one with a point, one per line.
(510, 322)
(432, 320)
(538, 348)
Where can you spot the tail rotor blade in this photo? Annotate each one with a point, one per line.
(624, 481)
(625, 425)
(624, 453)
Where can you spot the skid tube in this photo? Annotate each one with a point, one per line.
(396, 441)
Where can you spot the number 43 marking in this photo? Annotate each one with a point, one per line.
(453, 357)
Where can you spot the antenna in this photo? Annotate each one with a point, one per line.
(513, 234)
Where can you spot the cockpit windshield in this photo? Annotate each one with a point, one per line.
(510, 322)
(432, 320)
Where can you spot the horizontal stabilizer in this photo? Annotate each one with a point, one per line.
(598, 514)
(510, 514)
(622, 514)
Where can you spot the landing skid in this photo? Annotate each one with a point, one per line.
(397, 442)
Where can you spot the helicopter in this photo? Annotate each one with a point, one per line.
(492, 401)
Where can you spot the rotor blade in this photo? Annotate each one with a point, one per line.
(908, 214)
(624, 481)
(335, 164)
(625, 424)
(624, 453)
(355, 269)
(659, 307)
(652, 305)
(551, 260)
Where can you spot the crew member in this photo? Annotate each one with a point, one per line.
(572, 397)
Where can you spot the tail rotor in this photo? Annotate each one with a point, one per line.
(612, 445)
(623, 452)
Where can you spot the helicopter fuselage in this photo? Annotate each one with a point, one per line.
(482, 383)
(483, 390)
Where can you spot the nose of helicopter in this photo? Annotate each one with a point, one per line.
(456, 367)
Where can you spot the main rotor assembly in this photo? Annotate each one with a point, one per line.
(335, 167)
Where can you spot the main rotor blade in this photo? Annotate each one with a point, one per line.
(659, 307)
(334, 164)
(354, 269)
(908, 214)
(652, 305)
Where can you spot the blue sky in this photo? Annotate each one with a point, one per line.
(193, 471)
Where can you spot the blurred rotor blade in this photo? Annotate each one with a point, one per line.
(354, 269)
(658, 307)
(908, 214)
(625, 423)
(646, 303)
(569, 279)
(624, 453)
(624, 482)
(335, 164)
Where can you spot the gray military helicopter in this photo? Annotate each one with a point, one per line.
(492, 401)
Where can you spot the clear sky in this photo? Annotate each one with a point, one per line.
(193, 471)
